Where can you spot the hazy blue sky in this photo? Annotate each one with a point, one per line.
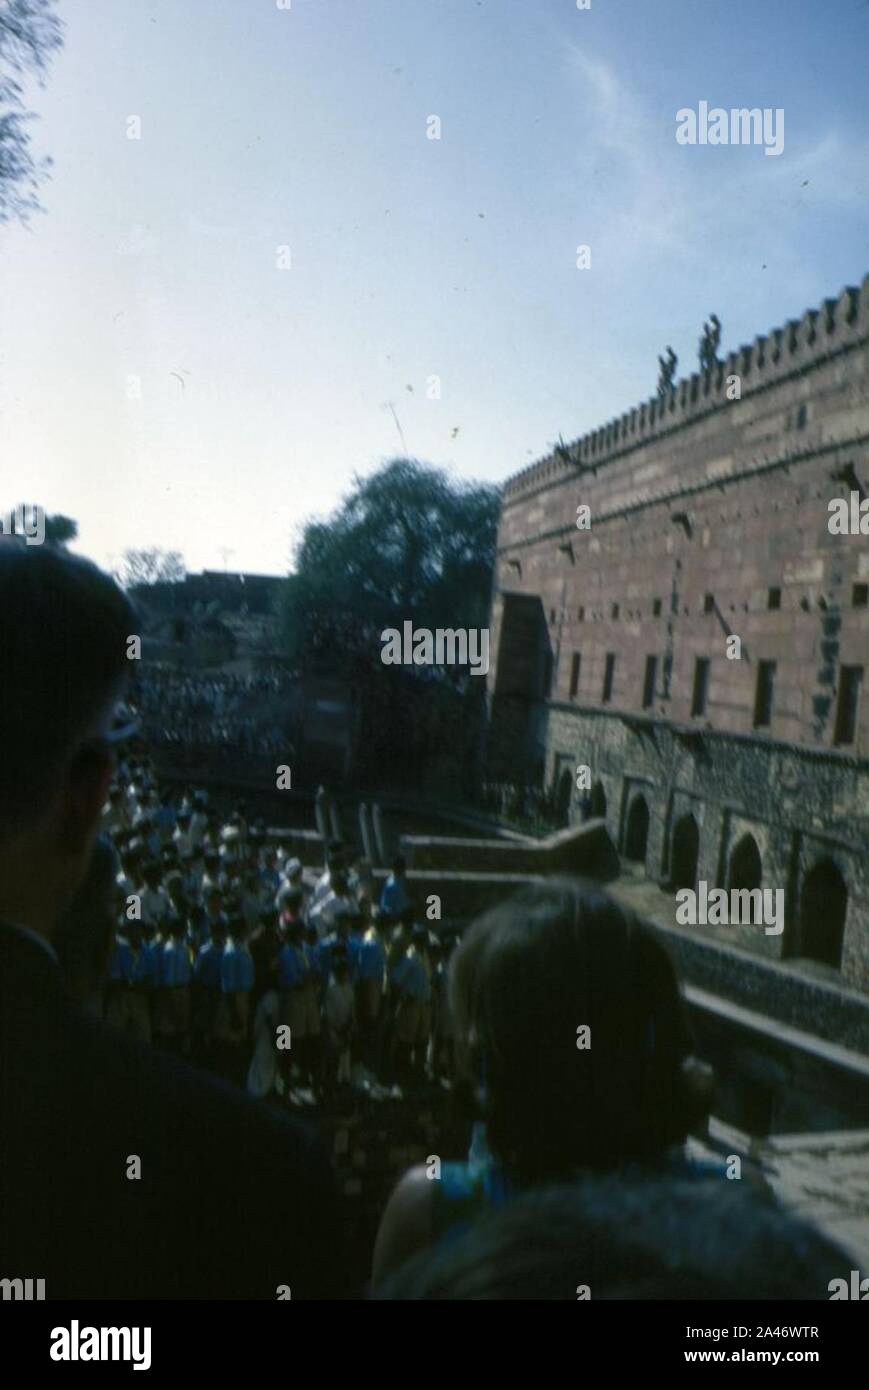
(264, 390)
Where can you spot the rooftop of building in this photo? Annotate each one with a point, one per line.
(231, 591)
(837, 325)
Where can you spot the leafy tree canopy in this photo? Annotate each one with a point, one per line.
(30, 32)
(406, 543)
(59, 530)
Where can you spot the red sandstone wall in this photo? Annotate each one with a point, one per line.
(753, 479)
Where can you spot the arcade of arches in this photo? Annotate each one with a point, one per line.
(683, 853)
(818, 935)
(823, 909)
(745, 866)
(637, 830)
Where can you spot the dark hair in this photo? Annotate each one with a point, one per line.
(399, 864)
(529, 974)
(63, 632)
(627, 1238)
(84, 931)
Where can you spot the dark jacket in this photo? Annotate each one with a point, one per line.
(233, 1200)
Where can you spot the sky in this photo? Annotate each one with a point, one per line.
(214, 328)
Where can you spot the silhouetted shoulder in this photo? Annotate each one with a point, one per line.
(165, 1182)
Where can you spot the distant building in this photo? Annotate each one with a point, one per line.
(744, 763)
(211, 618)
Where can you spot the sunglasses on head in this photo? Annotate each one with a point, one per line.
(124, 727)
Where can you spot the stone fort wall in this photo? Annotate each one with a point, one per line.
(708, 521)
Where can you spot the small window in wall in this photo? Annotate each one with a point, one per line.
(802, 417)
(581, 614)
(773, 599)
(667, 674)
(708, 603)
(701, 686)
(656, 608)
(552, 615)
(548, 671)
(860, 595)
(649, 681)
(574, 674)
(609, 672)
(763, 694)
(850, 681)
(615, 611)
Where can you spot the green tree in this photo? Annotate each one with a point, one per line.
(407, 543)
(60, 530)
(30, 33)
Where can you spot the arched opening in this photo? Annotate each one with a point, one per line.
(637, 830)
(683, 855)
(563, 796)
(823, 908)
(746, 870)
(597, 802)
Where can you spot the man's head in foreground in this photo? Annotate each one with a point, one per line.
(64, 627)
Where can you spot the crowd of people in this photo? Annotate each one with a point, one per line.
(127, 915)
(224, 950)
(213, 711)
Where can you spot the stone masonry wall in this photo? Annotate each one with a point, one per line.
(709, 520)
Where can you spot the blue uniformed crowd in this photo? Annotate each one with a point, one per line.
(289, 981)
